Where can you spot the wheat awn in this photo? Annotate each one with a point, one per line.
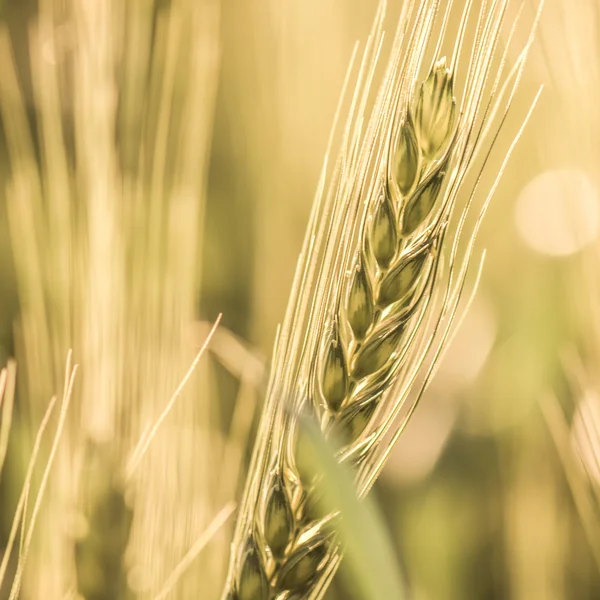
(372, 306)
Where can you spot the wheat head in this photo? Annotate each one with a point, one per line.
(378, 283)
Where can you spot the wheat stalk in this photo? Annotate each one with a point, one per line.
(105, 200)
(575, 431)
(21, 521)
(372, 306)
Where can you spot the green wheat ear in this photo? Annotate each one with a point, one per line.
(376, 292)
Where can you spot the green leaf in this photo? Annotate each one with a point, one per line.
(369, 558)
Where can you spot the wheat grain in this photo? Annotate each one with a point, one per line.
(369, 301)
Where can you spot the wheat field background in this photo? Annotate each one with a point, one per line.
(492, 490)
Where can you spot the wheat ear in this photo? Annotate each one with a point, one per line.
(372, 306)
(390, 276)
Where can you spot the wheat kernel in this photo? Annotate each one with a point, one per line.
(334, 382)
(355, 418)
(376, 352)
(384, 237)
(300, 568)
(420, 205)
(279, 520)
(253, 584)
(360, 304)
(406, 159)
(401, 279)
(434, 114)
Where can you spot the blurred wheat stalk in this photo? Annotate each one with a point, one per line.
(105, 203)
(574, 77)
(22, 530)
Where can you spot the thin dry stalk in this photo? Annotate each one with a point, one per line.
(7, 398)
(21, 521)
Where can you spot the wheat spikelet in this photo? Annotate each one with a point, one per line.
(372, 308)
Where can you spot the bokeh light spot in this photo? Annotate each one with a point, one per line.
(557, 212)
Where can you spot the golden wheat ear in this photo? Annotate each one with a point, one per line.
(379, 281)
